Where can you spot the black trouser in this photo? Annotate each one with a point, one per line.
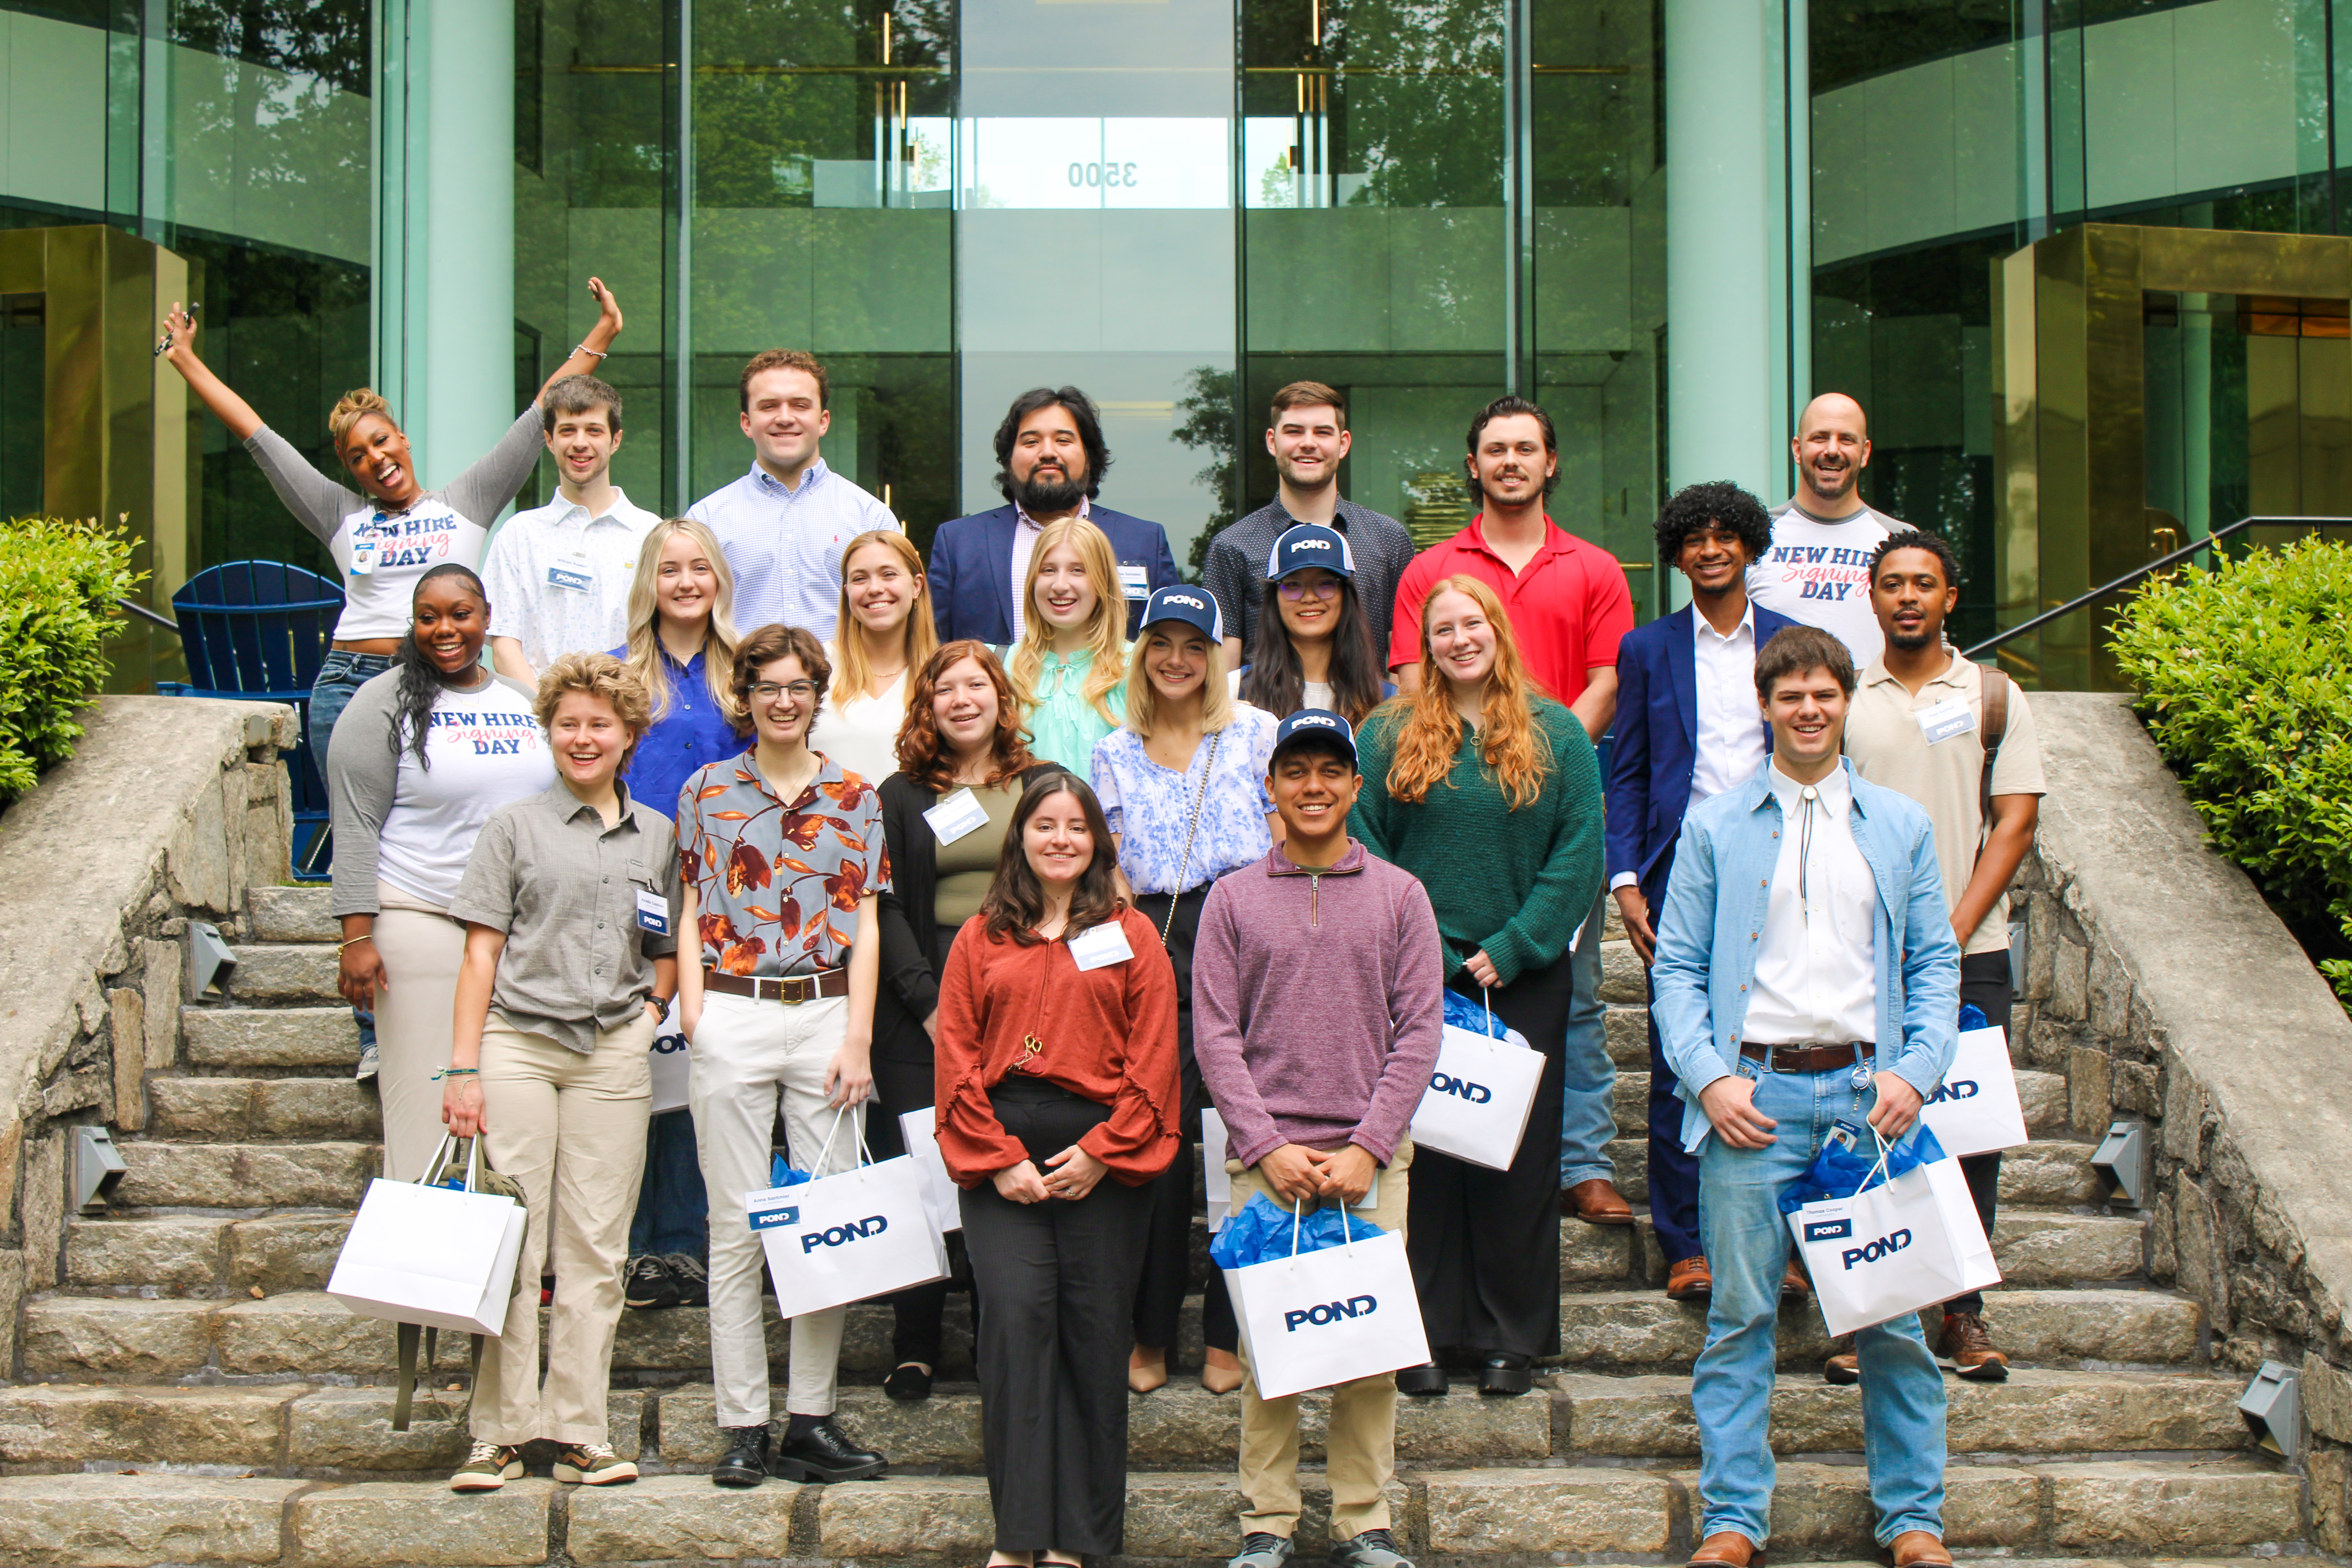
(1674, 1169)
(1985, 980)
(1168, 1253)
(1485, 1243)
(900, 1087)
(1059, 1281)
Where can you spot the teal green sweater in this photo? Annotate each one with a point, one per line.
(1517, 883)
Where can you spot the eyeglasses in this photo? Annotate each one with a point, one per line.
(798, 692)
(1294, 589)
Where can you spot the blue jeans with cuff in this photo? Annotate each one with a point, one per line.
(340, 675)
(1588, 1087)
(1747, 1241)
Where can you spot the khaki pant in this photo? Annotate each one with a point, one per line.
(420, 948)
(1360, 1447)
(572, 1130)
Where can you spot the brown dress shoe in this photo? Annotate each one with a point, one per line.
(1845, 1369)
(1972, 1349)
(1689, 1281)
(1729, 1549)
(1596, 1202)
(1794, 1286)
(1917, 1548)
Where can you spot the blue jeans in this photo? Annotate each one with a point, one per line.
(1747, 1240)
(340, 675)
(673, 1208)
(1588, 1085)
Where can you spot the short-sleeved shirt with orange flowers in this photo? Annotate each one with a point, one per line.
(778, 884)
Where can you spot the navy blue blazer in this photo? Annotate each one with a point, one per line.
(1656, 750)
(971, 570)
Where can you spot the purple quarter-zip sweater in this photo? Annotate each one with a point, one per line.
(1316, 1003)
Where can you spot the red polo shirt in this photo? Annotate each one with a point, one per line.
(1569, 609)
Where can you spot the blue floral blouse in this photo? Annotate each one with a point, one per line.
(1149, 806)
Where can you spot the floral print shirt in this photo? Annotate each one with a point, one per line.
(778, 884)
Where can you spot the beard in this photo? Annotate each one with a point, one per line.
(1833, 484)
(1924, 638)
(1047, 491)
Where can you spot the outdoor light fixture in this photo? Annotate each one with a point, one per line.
(2271, 1408)
(2121, 1161)
(97, 1168)
(208, 956)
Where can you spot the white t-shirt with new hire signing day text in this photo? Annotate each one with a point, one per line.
(487, 749)
(1818, 574)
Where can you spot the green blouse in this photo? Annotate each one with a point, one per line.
(1516, 883)
(1064, 726)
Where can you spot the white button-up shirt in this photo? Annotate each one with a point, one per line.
(1025, 530)
(1730, 726)
(559, 579)
(1815, 983)
(784, 545)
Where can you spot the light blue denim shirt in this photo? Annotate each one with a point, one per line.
(784, 546)
(1713, 926)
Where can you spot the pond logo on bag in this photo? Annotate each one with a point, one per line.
(1462, 1088)
(1967, 1088)
(668, 1045)
(1877, 1249)
(1329, 1313)
(848, 1231)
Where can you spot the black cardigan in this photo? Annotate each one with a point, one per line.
(911, 958)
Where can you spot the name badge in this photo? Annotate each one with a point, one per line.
(1100, 946)
(776, 1208)
(579, 575)
(1942, 722)
(1136, 581)
(362, 556)
(653, 912)
(956, 815)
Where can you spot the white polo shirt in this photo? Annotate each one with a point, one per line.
(559, 579)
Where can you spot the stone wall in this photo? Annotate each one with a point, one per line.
(170, 809)
(2165, 988)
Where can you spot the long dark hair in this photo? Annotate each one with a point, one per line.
(1277, 683)
(1016, 900)
(421, 680)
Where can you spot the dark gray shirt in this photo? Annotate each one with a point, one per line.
(563, 887)
(1235, 573)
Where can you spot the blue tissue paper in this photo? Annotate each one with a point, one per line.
(1260, 1233)
(1838, 1172)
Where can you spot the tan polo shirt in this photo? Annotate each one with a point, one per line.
(1889, 746)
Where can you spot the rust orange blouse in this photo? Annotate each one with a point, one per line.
(1106, 1034)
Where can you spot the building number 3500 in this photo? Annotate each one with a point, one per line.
(1107, 175)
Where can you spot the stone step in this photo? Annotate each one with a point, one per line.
(238, 1108)
(292, 914)
(249, 1037)
(169, 1175)
(2044, 1247)
(1822, 1511)
(303, 972)
(197, 1256)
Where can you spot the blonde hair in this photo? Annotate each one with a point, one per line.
(921, 634)
(601, 676)
(718, 640)
(353, 407)
(1429, 732)
(1143, 699)
(1105, 628)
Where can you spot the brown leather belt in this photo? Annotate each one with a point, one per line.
(1807, 1058)
(789, 989)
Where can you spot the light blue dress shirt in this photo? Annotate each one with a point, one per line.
(784, 545)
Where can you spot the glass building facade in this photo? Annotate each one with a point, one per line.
(1669, 221)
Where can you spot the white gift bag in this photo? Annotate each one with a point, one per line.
(1914, 1241)
(672, 1062)
(433, 1255)
(1975, 1109)
(1477, 1105)
(1215, 1184)
(841, 1238)
(1315, 1320)
(920, 1129)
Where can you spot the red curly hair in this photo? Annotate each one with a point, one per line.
(924, 755)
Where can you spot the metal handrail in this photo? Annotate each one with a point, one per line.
(2139, 573)
(144, 613)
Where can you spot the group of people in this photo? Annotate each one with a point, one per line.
(1041, 838)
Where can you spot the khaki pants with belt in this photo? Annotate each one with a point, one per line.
(1361, 1447)
(570, 1128)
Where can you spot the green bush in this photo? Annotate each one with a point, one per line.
(2244, 676)
(58, 582)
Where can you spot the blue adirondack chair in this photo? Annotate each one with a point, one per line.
(259, 629)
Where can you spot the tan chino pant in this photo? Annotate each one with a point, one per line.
(1361, 1447)
(420, 948)
(572, 1130)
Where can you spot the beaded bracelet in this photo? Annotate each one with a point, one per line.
(594, 354)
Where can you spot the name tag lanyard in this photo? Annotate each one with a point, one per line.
(1859, 1077)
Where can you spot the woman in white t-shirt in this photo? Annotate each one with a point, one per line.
(426, 751)
(884, 630)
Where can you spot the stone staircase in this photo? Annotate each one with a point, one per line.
(189, 1394)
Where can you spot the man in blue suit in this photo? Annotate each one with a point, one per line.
(1687, 728)
(1050, 456)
